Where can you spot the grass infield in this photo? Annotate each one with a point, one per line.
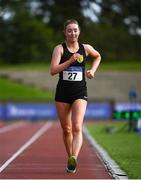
(123, 146)
(110, 66)
(10, 90)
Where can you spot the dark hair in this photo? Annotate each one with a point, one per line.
(70, 21)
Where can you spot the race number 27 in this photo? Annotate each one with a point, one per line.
(72, 75)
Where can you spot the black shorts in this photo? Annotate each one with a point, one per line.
(69, 95)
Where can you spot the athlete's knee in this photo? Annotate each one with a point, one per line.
(77, 128)
(67, 130)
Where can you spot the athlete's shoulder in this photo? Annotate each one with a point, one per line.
(88, 48)
(58, 48)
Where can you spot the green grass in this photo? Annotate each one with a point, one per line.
(10, 90)
(123, 146)
(110, 66)
(26, 67)
(121, 66)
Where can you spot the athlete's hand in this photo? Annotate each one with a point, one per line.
(75, 57)
(90, 74)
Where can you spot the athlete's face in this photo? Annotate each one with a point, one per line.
(72, 32)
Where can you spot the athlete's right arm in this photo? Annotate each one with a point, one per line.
(56, 57)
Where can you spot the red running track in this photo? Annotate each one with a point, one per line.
(45, 158)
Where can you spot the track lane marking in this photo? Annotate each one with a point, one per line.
(11, 127)
(39, 133)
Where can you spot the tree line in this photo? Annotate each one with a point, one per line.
(29, 29)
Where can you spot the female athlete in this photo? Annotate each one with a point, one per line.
(68, 60)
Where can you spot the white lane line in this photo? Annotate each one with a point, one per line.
(40, 132)
(12, 126)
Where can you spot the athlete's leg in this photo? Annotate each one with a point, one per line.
(78, 112)
(64, 113)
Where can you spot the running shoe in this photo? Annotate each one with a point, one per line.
(72, 163)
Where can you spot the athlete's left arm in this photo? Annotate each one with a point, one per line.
(96, 60)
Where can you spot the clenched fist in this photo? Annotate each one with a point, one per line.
(76, 57)
(90, 74)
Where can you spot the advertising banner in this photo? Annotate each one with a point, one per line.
(30, 111)
(48, 111)
(99, 110)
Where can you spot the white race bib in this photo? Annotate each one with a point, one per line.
(73, 73)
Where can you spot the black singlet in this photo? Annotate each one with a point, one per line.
(72, 84)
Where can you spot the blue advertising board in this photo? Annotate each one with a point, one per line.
(99, 110)
(1, 111)
(127, 107)
(48, 111)
(127, 111)
(30, 111)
